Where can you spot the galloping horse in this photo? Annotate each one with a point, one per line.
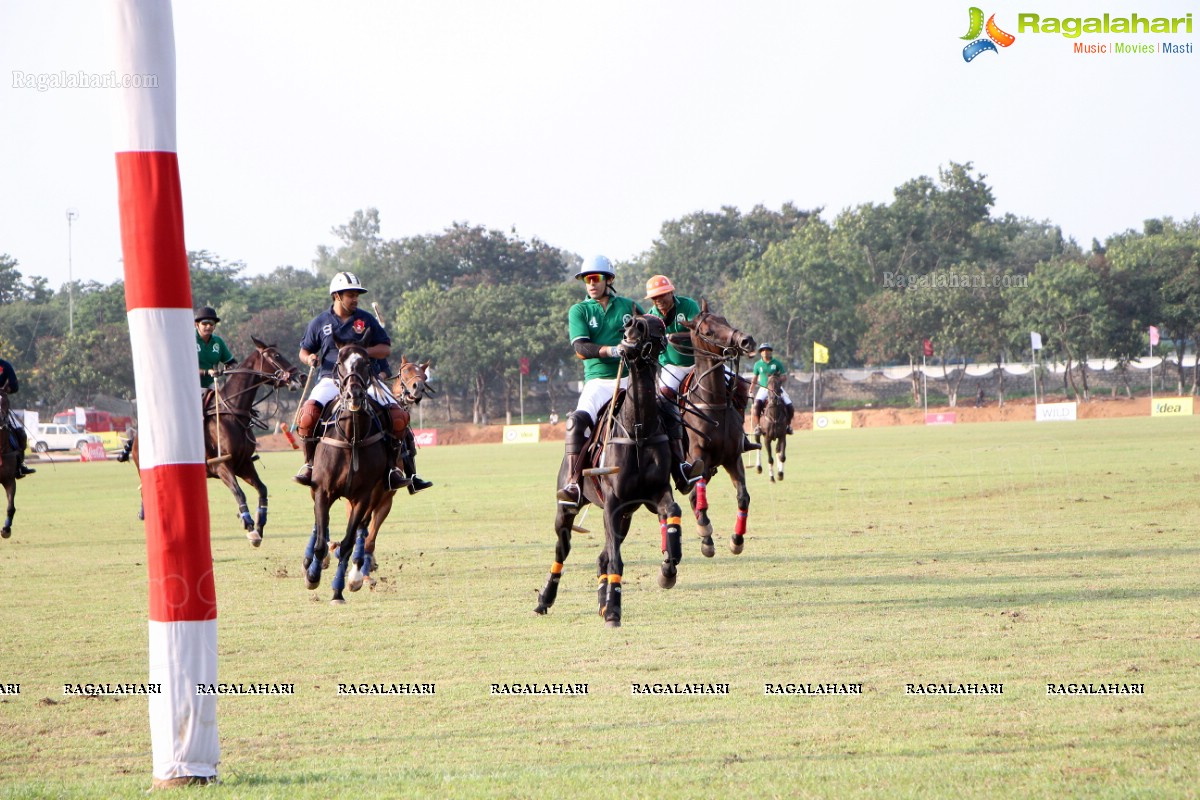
(8, 465)
(409, 389)
(229, 414)
(351, 461)
(713, 408)
(639, 455)
(774, 424)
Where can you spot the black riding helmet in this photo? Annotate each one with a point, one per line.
(208, 312)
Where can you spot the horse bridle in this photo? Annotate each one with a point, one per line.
(407, 395)
(648, 345)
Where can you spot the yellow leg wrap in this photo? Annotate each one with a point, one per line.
(674, 520)
(556, 568)
(614, 579)
(601, 579)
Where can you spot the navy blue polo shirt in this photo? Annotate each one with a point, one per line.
(361, 328)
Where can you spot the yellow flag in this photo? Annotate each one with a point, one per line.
(820, 354)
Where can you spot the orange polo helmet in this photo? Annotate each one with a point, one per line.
(658, 286)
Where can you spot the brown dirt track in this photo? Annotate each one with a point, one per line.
(1013, 411)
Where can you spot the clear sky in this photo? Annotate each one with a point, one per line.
(587, 124)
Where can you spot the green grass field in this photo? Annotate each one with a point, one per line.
(1015, 553)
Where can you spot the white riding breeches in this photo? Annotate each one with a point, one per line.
(761, 394)
(596, 393)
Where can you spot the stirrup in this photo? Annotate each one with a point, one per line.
(748, 445)
(23, 470)
(397, 479)
(570, 495)
(688, 474)
(304, 476)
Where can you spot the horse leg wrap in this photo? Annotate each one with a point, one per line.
(549, 592)
(701, 496)
(262, 515)
(602, 592)
(739, 526)
(673, 540)
(662, 526)
(612, 604)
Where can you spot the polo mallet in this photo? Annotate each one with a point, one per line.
(217, 404)
(612, 404)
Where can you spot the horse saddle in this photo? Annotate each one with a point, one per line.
(740, 387)
(332, 413)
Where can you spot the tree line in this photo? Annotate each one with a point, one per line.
(872, 284)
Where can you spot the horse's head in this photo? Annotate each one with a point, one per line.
(353, 374)
(272, 362)
(410, 386)
(644, 340)
(712, 334)
(775, 386)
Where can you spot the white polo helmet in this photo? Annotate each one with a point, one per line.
(599, 264)
(344, 282)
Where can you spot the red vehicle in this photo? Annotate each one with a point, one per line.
(95, 420)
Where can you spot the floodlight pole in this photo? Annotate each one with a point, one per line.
(72, 215)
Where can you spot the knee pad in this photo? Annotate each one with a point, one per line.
(310, 414)
(400, 418)
(578, 422)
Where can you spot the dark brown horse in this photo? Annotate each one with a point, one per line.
(774, 424)
(229, 419)
(8, 464)
(713, 411)
(409, 388)
(638, 450)
(351, 462)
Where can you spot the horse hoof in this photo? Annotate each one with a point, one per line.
(312, 584)
(254, 536)
(7, 532)
(337, 601)
(355, 585)
(325, 562)
(707, 548)
(737, 544)
(667, 581)
(758, 470)
(613, 623)
(541, 610)
(780, 474)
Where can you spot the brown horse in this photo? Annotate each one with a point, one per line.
(351, 462)
(774, 424)
(639, 451)
(409, 388)
(713, 409)
(229, 417)
(8, 464)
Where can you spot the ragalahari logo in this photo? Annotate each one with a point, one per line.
(995, 36)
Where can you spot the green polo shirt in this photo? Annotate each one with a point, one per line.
(765, 369)
(211, 353)
(685, 309)
(606, 327)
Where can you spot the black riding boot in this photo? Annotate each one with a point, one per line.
(304, 476)
(578, 423)
(791, 412)
(20, 443)
(683, 473)
(396, 476)
(123, 456)
(408, 456)
(756, 415)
